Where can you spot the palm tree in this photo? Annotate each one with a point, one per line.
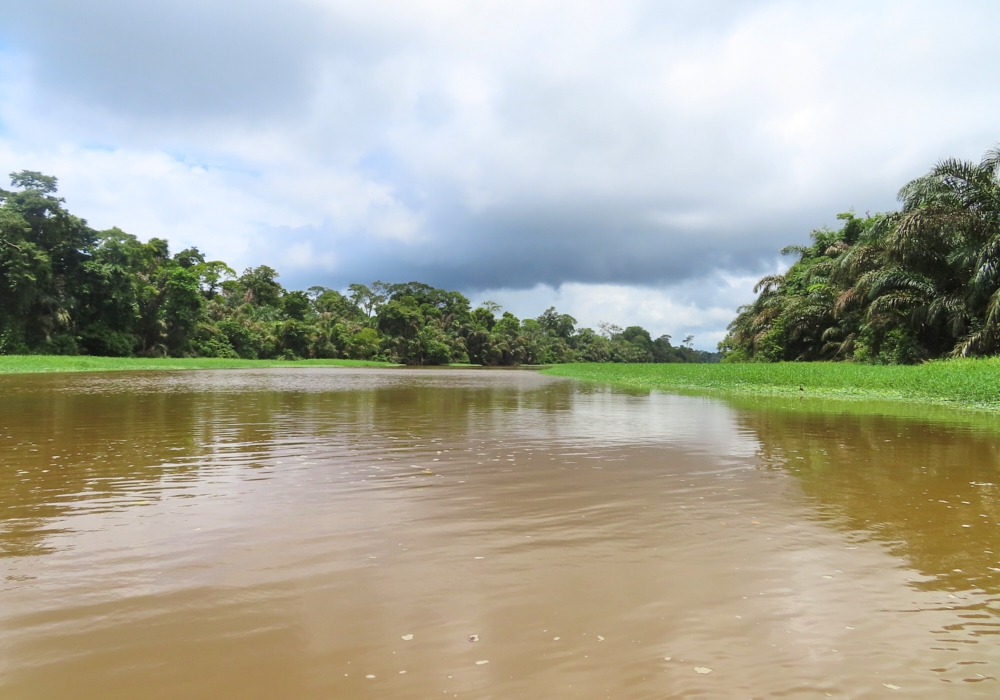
(943, 255)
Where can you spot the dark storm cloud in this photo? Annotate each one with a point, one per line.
(592, 244)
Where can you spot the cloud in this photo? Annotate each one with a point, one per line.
(657, 147)
(701, 308)
(163, 61)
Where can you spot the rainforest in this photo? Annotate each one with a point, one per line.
(67, 289)
(893, 288)
(900, 287)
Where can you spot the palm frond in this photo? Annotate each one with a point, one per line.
(832, 333)
(847, 299)
(800, 250)
(882, 282)
(897, 303)
(768, 284)
(836, 249)
(991, 161)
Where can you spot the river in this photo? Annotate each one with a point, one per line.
(342, 534)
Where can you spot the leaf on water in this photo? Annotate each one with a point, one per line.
(407, 637)
(480, 663)
(890, 686)
(702, 670)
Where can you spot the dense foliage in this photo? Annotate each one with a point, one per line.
(896, 288)
(67, 289)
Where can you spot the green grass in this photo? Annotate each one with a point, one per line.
(25, 364)
(963, 383)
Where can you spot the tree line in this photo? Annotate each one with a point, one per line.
(899, 287)
(67, 289)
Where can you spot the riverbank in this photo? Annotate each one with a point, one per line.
(964, 383)
(31, 364)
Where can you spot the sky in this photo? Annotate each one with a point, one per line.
(633, 162)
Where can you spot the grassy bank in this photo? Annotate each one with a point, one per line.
(962, 383)
(25, 364)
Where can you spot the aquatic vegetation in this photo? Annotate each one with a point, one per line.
(969, 383)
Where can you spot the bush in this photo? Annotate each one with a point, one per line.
(63, 344)
(98, 339)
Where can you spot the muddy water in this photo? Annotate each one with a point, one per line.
(345, 534)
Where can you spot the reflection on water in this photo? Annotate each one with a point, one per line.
(928, 490)
(283, 533)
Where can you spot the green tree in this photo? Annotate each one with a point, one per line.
(211, 276)
(557, 324)
(182, 302)
(42, 252)
(369, 299)
(109, 309)
(334, 304)
(916, 284)
(296, 305)
(262, 288)
(67, 288)
(189, 257)
(364, 344)
(294, 339)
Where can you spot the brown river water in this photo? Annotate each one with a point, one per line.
(342, 534)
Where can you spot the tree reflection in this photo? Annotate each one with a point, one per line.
(927, 489)
(86, 444)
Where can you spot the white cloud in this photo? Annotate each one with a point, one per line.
(674, 311)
